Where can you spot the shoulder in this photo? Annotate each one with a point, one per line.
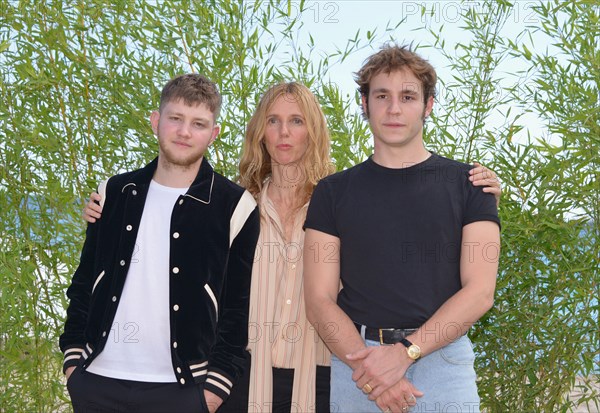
(333, 188)
(450, 163)
(345, 175)
(121, 183)
(451, 171)
(120, 179)
(135, 177)
(118, 183)
(230, 189)
(226, 185)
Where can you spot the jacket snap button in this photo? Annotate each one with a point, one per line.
(182, 381)
(176, 307)
(129, 227)
(176, 235)
(175, 270)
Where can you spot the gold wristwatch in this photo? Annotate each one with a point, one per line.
(413, 351)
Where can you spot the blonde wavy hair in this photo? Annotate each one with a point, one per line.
(255, 163)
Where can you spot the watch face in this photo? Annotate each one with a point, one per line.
(414, 352)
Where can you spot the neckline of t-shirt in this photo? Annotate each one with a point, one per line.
(164, 188)
(409, 169)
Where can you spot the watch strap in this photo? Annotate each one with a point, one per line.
(406, 343)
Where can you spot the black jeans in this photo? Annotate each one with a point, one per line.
(91, 393)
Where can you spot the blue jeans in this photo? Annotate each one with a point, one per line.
(446, 376)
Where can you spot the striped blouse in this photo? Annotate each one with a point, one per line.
(279, 332)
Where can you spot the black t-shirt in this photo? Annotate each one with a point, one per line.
(400, 232)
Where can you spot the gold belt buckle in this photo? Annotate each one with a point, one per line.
(381, 335)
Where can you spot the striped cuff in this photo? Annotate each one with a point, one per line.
(219, 384)
(72, 356)
(199, 370)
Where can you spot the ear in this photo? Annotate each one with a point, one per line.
(154, 118)
(429, 106)
(365, 105)
(215, 133)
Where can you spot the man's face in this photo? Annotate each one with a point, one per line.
(396, 109)
(184, 132)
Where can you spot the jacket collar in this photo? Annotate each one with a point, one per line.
(200, 189)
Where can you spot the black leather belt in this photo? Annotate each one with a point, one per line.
(386, 335)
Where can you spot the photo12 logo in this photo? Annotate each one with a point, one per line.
(125, 332)
(311, 11)
(522, 12)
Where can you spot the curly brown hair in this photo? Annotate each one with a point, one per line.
(392, 58)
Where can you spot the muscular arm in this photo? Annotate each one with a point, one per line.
(321, 286)
(478, 267)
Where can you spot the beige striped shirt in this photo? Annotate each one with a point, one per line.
(279, 332)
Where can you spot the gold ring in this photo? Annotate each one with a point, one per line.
(387, 410)
(367, 388)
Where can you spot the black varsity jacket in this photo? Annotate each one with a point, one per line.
(214, 230)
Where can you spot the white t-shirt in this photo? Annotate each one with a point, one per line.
(138, 345)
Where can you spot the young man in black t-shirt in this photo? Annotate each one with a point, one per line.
(416, 247)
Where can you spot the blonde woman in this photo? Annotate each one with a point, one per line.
(286, 152)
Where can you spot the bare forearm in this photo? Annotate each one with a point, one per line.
(452, 320)
(321, 287)
(478, 269)
(335, 328)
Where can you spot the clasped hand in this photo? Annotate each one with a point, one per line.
(383, 369)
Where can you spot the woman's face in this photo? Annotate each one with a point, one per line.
(286, 134)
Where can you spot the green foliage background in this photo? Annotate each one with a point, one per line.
(79, 80)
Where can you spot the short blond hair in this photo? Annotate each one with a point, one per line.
(193, 89)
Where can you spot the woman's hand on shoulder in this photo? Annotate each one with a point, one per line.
(93, 211)
(482, 176)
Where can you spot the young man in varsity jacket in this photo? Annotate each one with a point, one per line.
(158, 313)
